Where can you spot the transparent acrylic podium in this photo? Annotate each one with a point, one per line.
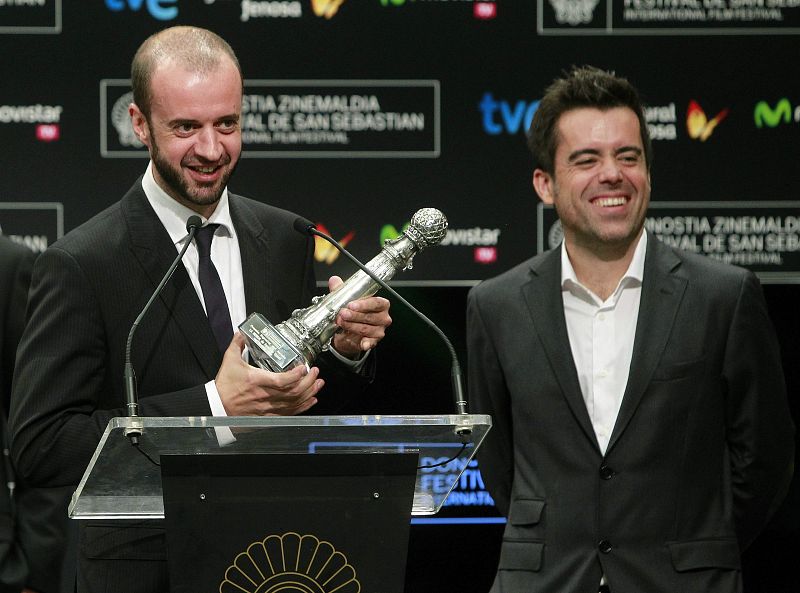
(121, 483)
(312, 503)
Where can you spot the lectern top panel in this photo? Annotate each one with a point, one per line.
(124, 482)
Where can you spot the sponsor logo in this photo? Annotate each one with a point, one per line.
(46, 118)
(30, 114)
(48, 132)
(485, 255)
(661, 121)
(441, 477)
(30, 16)
(500, 116)
(280, 9)
(484, 11)
(666, 17)
(33, 224)
(765, 115)
(573, 12)
(470, 237)
(482, 240)
(481, 9)
(326, 8)
(698, 125)
(325, 252)
(117, 139)
(162, 10)
(121, 120)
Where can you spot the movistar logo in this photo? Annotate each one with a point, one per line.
(771, 117)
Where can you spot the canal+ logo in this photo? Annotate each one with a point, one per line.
(163, 10)
(500, 116)
(767, 116)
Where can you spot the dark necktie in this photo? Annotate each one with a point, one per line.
(216, 306)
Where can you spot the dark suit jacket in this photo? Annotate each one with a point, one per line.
(87, 289)
(33, 524)
(701, 453)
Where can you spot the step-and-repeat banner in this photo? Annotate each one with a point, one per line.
(357, 113)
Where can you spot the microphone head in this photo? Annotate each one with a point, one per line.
(194, 222)
(428, 227)
(303, 225)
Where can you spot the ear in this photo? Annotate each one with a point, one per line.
(543, 184)
(139, 122)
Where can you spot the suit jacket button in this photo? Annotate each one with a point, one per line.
(606, 472)
(604, 546)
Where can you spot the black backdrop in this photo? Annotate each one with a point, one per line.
(445, 88)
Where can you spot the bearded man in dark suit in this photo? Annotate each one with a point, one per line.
(88, 288)
(642, 436)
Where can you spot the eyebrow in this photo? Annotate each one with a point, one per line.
(573, 156)
(180, 121)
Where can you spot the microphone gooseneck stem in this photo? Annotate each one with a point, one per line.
(131, 395)
(457, 380)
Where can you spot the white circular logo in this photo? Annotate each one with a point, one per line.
(122, 121)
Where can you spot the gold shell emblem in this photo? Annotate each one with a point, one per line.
(290, 563)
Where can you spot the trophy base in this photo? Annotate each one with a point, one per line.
(268, 347)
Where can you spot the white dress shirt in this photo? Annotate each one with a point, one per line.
(224, 253)
(601, 337)
(227, 259)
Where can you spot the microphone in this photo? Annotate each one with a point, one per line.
(306, 227)
(131, 395)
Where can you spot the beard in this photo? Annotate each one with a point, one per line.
(182, 189)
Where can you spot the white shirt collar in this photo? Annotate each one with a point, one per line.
(633, 275)
(173, 215)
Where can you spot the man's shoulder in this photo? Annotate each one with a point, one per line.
(102, 232)
(506, 283)
(264, 212)
(107, 233)
(701, 268)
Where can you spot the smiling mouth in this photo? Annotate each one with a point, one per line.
(204, 170)
(609, 202)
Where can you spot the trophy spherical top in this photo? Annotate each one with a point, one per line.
(429, 225)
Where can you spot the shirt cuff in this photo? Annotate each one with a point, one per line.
(353, 365)
(224, 434)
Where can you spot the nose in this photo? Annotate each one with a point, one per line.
(208, 146)
(610, 172)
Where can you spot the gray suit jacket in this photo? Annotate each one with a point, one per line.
(699, 458)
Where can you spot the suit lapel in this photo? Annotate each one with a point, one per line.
(546, 306)
(256, 255)
(662, 292)
(153, 248)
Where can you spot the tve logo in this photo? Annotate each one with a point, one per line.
(163, 10)
(501, 116)
(771, 117)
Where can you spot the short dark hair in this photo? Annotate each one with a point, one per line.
(582, 86)
(194, 47)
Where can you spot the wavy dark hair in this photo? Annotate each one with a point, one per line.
(582, 86)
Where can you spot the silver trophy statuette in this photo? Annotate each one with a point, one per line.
(301, 338)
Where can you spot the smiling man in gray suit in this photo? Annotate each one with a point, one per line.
(642, 437)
